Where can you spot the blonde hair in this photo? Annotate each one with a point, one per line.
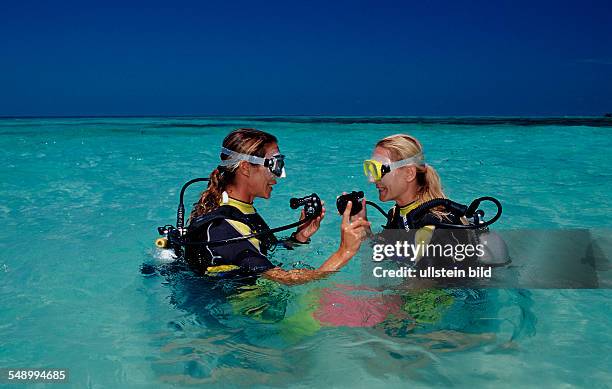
(243, 140)
(402, 146)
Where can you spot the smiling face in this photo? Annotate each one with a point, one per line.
(261, 179)
(395, 184)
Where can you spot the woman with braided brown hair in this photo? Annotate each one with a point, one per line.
(250, 164)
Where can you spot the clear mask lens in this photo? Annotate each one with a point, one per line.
(276, 163)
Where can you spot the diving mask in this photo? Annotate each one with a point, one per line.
(375, 170)
(276, 163)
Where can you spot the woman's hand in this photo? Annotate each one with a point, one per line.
(363, 215)
(308, 229)
(352, 233)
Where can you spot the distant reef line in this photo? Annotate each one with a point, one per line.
(191, 121)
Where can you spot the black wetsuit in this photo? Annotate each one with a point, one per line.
(434, 235)
(232, 220)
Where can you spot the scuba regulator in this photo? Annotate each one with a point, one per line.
(355, 198)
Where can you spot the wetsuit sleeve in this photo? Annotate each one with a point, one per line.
(244, 253)
(254, 263)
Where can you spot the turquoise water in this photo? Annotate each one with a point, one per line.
(81, 200)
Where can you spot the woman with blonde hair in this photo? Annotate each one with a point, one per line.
(398, 169)
(250, 165)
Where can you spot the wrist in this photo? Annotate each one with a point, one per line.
(345, 253)
(336, 261)
(298, 237)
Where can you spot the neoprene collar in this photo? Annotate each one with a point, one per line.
(244, 207)
(404, 210)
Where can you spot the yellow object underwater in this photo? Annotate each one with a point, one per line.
(221, 269)
(162, 243)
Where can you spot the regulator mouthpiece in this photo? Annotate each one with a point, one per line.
(354, 197)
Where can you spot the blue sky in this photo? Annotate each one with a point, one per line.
(312, 58)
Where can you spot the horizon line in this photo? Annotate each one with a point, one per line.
(602, 116)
